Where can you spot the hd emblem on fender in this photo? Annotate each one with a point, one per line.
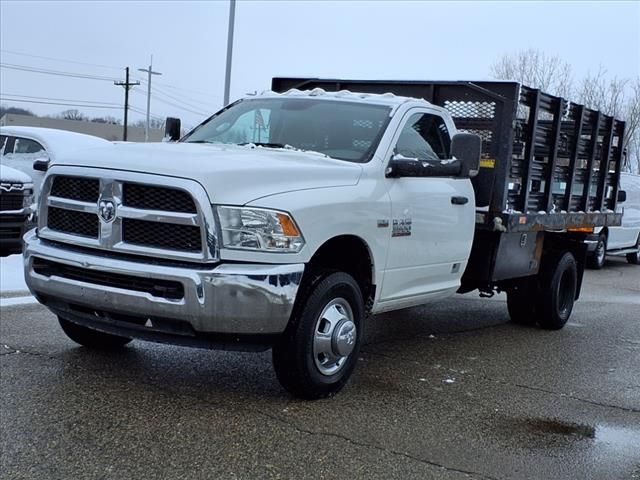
(401, 227)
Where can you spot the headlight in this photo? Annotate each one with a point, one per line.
(259, 229)
(27, 200)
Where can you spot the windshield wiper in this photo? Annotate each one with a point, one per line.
(265, 144)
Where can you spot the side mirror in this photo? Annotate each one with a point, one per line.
(467, 147)
(41, 164)
(622, 196)
(401, 166)
(172, 129)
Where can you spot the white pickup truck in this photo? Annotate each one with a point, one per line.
(285, 219)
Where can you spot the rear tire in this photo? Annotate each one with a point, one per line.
(597, 258)
(634, 258)
(319, 350)
(90, 338)
(559, 282)
(522, 299)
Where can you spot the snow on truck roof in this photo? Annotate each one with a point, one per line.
(55, 141)
(388, 98)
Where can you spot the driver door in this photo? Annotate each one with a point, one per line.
(432, 224)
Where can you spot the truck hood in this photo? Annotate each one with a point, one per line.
(11, 175)
(231, 174)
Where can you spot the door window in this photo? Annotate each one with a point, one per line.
(425, 137)
(26, 145)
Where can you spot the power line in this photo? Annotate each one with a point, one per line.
(60, 73)
(30, 68)
(180, 107)
(2, 95)
(142, 112)
(59, 103)
(60, 59)
(195, 105)
(117, 107)
(168, 85)
(172, 87)
(190, 101)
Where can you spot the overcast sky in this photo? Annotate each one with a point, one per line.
(347, 39)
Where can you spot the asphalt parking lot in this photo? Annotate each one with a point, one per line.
(446, 391)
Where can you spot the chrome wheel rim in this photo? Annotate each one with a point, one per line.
(334, 336)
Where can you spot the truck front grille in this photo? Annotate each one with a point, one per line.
(150, 197)
(128, 213)
(161, 235)
(73, 223)
(76, 188)
(155, 287)
(11, 201)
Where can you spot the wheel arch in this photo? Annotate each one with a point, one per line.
(350, 254)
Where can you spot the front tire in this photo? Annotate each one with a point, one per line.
(319, 350)
(90, 338)
(597, 258)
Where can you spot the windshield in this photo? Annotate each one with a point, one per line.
(339, 129)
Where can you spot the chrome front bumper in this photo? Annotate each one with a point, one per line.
(238, 299)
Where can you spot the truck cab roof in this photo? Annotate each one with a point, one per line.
(388, 98)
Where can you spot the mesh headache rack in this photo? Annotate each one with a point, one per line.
(546, 162)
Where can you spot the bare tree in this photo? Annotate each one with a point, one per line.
(107, 119)
(153, 123)
(633, 128)
(535, 69)
(618, 97)
(15, 110)
(72, 114)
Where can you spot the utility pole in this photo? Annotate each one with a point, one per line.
(227, 77)
(127, 85)
(150, 72)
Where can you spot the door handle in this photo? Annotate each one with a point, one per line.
(459, 200)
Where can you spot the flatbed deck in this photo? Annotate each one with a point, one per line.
(547, 164)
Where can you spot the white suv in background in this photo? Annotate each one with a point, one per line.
(625, 239)
(21, 146)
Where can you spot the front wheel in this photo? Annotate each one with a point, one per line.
(319, 350)
(90, 338)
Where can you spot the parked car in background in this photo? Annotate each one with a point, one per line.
(21, 146)
(16, 198)
(625, 239)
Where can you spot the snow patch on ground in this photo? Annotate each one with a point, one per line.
(12, 275)
(10, 302)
